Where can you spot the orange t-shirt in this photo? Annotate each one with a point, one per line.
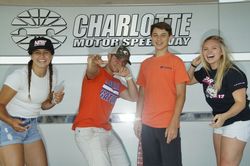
(159, 77)
(97, 100)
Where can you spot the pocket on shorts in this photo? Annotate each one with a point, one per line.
(9, 135)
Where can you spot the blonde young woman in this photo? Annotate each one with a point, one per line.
(24, 94)
(225, 88)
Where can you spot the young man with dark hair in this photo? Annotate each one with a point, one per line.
(162, 87)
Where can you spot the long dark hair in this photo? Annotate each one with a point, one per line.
(50, 76)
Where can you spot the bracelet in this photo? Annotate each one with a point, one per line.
(193, 65)
(129, 77)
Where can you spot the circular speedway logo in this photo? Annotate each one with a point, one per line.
(38, 22)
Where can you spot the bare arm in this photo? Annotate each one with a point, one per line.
(171, 131)
(6, 94)
(131, 93)
(140, 103)
(138, 114)
(48, 103)
(94, 62)
(53, 99)
(240, 103)
(195, 63)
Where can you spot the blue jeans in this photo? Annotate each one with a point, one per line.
(9, 136)
(101, 147)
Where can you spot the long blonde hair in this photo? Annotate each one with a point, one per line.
(225, 62)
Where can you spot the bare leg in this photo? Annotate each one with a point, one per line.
(217, 146)
(1, 160)
(12, 155)
(35, 154)
(231, 151)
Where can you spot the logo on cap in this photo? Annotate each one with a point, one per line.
(40, 43)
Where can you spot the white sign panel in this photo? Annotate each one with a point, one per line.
(83, 30)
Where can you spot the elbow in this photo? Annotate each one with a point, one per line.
(240, 105)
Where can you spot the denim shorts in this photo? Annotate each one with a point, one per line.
(9, 136)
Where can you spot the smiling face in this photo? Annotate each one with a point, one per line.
(115, 64)
(160, 38)
(212, 52)
(41, 58)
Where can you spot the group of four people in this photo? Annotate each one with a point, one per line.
(162, 84)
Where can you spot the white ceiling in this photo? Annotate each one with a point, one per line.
(95, 2)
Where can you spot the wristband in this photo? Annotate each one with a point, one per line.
(193, 65)
(129, 77)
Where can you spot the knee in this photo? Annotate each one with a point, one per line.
(226, 161)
